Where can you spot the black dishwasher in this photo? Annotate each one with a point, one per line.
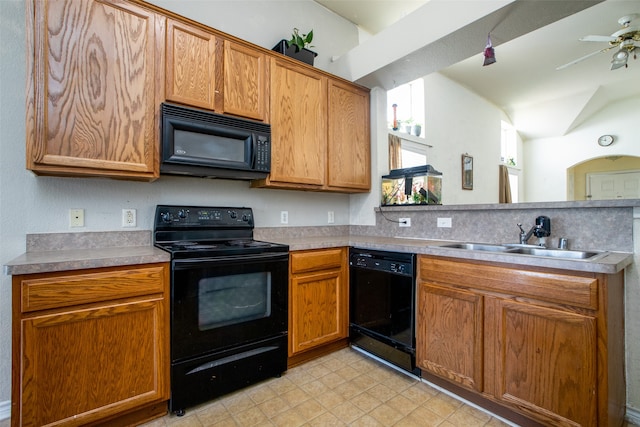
(382, 305)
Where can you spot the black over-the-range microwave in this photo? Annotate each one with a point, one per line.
(201, 143)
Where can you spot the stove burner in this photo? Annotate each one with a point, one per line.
(190, 246)
(246, 243)
(196, 247)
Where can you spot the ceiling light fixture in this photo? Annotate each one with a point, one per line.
(489, 53)
(621, 57)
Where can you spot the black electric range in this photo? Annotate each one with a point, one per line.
(229, 302)
(201, 232)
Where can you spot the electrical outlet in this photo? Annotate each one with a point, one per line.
(331, 217)
(444, 222)
(128, 217)
(284, 217)
(404, 222)
(76, 217)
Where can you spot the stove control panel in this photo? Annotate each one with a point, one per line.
(193, 216)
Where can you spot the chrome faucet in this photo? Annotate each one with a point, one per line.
(524, 235)
(541, 229)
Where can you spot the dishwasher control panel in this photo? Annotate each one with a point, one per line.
(398, 263)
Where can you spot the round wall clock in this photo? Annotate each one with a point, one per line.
(605, 140)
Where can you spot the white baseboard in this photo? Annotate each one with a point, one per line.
(633, 416)
(5, 410)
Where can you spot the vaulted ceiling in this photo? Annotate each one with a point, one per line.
(524, 82)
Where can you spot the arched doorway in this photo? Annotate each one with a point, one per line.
(608, 177)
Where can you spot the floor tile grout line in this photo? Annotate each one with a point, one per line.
(370, 370)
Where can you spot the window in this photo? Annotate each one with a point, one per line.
(409, 99)
(513, 185)
(509, 157)
(508, 145)
(413, 154)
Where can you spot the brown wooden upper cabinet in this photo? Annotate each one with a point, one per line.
(320, 132)
(298, 127)
(205, 70)
(99, 71)
(246, 89)
(349, 144)
(91, 93)
(191, 65)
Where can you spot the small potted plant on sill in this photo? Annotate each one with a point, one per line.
(417, 129)
(407, 125)
(297, 47)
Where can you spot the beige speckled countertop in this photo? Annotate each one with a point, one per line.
(76, 259)
(610, 263)
(61, 258)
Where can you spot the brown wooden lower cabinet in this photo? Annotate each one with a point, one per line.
(544, 344)
(318, 303)
(91, 346)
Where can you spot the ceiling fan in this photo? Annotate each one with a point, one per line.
(627, 40)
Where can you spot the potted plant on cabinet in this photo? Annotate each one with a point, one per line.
(297, 47)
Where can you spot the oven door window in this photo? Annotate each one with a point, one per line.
(228, 300)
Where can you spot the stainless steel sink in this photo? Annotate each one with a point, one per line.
(526, 250)
(557, 253)
(479, 247)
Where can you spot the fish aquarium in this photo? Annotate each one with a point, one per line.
(420, 185)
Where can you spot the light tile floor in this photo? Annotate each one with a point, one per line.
(344, 388)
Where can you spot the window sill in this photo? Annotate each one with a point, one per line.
(409, 137)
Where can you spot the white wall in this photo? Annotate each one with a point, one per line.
(30, 204)
(459, 121)
(265, 23)
(546, 160)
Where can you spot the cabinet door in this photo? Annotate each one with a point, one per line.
(318, 310)
(82, 365)
(245, 81)
(318, 299)
(191, 65)
(546, 362)
(349, 143)
(92, 98)
(299, 126)
(449, 334)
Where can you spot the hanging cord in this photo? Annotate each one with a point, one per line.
(389, 219)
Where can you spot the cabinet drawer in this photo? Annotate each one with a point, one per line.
(571, 288)
(322, 259)
(65, 289)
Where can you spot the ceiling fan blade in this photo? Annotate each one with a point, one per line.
(597, 39)
(575, 61)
